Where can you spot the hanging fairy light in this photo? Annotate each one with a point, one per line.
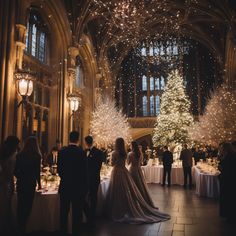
(128, 20)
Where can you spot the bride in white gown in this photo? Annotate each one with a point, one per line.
(124, 201)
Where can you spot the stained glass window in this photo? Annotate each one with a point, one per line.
(79, 82)
(33, 38)
(151, 83)
(143, 51)
(144, 105)
(152, 105)
(157, 104)
(36, 38)
(144, 83)
(162, 82)
(157, 84)
(42, 47)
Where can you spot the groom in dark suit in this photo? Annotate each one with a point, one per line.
(95, 157)
(72, 168)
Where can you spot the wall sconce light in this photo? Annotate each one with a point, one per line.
(75, 102)
(25, 85)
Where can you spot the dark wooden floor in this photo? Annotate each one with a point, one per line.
(190, 216)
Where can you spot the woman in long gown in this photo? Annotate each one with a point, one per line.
(135, 160)
(27, 172)
(124, 201)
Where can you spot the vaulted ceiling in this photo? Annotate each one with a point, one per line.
(206, 21)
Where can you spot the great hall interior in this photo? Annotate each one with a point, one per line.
(59, 58)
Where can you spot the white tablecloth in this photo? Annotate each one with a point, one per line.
(154, 174)
(46, 209)
(207, 185)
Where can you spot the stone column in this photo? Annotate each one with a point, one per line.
(73, 52)
(7, 57)
(19, 51)
(20, 44)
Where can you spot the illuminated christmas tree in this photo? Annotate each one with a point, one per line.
(172, 123)
(217, 124)
(109, 123)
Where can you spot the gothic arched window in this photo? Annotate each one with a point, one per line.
(79, 80)
(144, 83)
(36, 37)
(145, 106)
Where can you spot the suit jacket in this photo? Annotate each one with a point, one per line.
(167, 158)
(95, 158)
(72, 168)
(50, 160)
(186, 157)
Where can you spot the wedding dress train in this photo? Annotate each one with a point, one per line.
(124, 201)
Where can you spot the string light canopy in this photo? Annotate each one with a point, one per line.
(130, 20)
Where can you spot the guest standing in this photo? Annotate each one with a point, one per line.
(140, 147)
(7, 165)
(167, 165)
(95, 157)
(124, 202)
(196, 155)
(27, 172)
(52, 156)
(135, 160)
(227, 178)
(186, 157)
(72, 168)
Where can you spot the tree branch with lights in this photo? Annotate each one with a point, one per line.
(109, 123)
(217, 124)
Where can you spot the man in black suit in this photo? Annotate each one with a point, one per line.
(52, 156)
(72, 168)
(167, 164)
(95, 157)
(186, 157)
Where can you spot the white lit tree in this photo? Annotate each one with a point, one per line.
(172, 123)
(217, 124)
(109, 123)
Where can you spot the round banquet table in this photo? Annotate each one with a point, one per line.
(154, 174)
(46, 209)
(207, 184)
